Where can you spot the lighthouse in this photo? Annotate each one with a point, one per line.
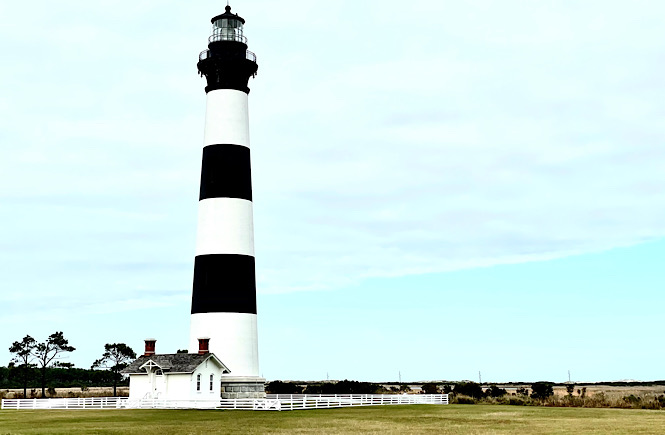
(224, 287)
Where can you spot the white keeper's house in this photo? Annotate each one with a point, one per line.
(179, 376)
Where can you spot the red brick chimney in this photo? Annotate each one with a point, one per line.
(149, 346)
(203, 346)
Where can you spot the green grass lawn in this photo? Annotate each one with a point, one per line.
(430, 419)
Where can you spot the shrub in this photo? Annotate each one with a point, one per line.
(517, 400)
(598, 400)
(650, 404)
(464, 400)
(542, 390)
(51, 391)
(470, 389)
(632, 399)
(279, 387)
(381, 390)
(494, 391)
(572, 401)
(430, 388)
(343, 387)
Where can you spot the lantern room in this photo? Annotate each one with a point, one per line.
(227, 27)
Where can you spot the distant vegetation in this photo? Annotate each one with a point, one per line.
(534, 394)
(542, 394)
(40, 364)
(59, 378)
(341, 387)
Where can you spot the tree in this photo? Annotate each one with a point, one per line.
(470, 389)
(49, 353)
(570, 389)
(542, 390)
(22, 360)
(116, 357)
(430, 388)
(521, 391)
(496, 391)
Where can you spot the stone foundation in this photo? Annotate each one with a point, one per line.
(243, 388)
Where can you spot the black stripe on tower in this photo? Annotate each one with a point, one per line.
(224, 284)
(226, 172)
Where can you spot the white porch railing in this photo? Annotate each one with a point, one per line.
(272, 402)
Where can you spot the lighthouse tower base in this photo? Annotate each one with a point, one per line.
(243, 387)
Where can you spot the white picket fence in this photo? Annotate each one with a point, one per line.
(292, 402)
(272, 402)
(68, 403)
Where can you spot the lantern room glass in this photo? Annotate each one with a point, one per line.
(227, 29)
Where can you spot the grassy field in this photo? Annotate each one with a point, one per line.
(415, 419)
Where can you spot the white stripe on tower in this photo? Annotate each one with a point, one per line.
(224, 290)
(216, 216)
(227, 118)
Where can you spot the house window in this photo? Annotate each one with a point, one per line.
(211, 380)
(198, 382)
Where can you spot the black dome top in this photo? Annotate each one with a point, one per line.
(228, 15)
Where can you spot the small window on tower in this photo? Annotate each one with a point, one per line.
(212, 377)
(198, 382)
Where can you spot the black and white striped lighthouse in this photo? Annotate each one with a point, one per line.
(224, 289)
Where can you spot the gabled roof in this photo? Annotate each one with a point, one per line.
(173, 363)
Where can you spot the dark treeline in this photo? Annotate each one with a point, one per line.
(59, 378)
(341, 387)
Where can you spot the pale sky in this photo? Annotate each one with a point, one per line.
(440, 187)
